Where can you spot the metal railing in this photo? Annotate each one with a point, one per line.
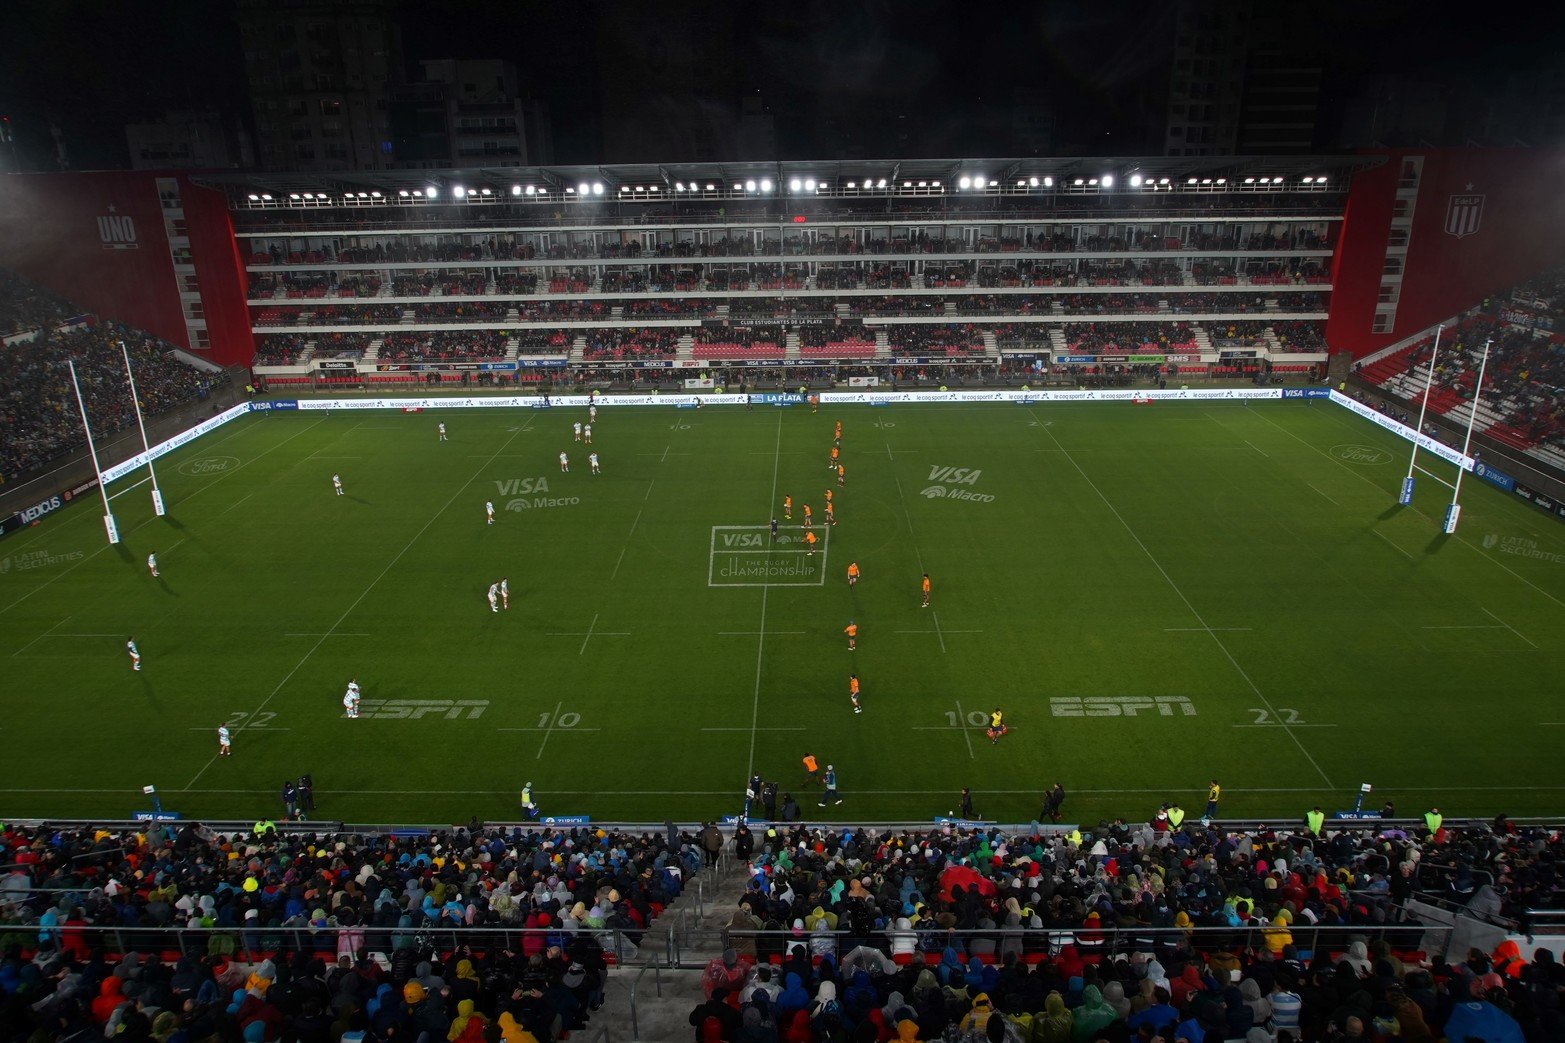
(657, 981)
(1049, 942)
(248, 942)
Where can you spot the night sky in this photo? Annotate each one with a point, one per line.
(840, 77)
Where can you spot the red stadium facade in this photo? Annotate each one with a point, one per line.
(158, 251)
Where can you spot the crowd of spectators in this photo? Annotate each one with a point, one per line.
(1524, 381)
(279, 349)
(1128, 933)
(1093, 337)
(38, 406)
(24, 306)
(299, 936)
(935, 339)
(612, 344)
(1300, 335)
(453, 346)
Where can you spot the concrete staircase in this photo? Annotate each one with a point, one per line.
(308, 353)
(1057, 340)
(372, 352)
(791, 345)
(578, 350)
(1202, 341)
(991, 346)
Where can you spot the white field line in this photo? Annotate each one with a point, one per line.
(760, 643)
(356, 601)
(1198, 617)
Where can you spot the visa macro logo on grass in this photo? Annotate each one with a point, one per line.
(520, 488)
(946, 480)
(747, 539)
(1360, 454)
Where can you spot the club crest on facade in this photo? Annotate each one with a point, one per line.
(1463, 214)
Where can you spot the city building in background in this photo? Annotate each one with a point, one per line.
(467, 111)
(190, 140)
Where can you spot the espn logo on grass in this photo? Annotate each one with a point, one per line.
(1121, 706)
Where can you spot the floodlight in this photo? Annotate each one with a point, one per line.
(923, 184)
(1163, 181)
(267, 196)
(431, 192)
(1108, 180)
(1048, 182)
(1135, 181)
(1191, 181)
(882, 183)
(516, 190)
(934, 184)
(570, 191)
(402, 192)
(583, 188)
(966, 182)
(1022, 183)
(979, 180)
(1321, 180)
(375, 195)
(1249, 180)
(254, 198)
(1032, 182)
(654, 188)
(711, 188)
(485, 191)
(309, 195)
(459, 192)
(531, 190)
(1222, 181)
(641, 188)
(852, 185)
(794, 184)
(679, 186)
(749, 186)
(907, 184)
(597, 189)
(623, 189)
(738, 187)
(809, 184)
(766, 185)
(366, 195)
(1078, 182)
(1309, 180)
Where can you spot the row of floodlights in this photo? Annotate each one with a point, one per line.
(974, 182)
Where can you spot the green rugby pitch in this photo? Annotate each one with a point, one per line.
(1156, 595)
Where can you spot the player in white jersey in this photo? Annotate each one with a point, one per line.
(336, 483)
(152, 564)
(494, 597)
(441, 428)
(489, 512)
(135, 656)
(592, 458)
(224, 741)
(505, 593)
(576, 428)
(592, 414)
(586, 434)
(351, 698)
(565, 462)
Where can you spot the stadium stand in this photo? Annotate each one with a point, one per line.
(24, 306)
(1100, 934)
(37, 403)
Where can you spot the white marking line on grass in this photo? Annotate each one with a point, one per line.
(1507, 626)
(1366, 478)
(618, 561)
(760, 641)
(41, 636)
(1280, 725)
(210, 485)
(1393, 545)
(1176, 589)
(130, 488)
(576, 729)
(176, 546)
(259, 728)
(780, 728)
(1257, 448)
(242, 499)
(760, 633)
(942, 632)
(962, 716)
(550, 729)
(1206, 630)
(1163, 791)
(585, 638)
(328, 634)
(1328, 499)
(356, 601)
(933, 612)
(1469, 626)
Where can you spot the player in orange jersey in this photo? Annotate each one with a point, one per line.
(831, 514)
(853, 692)
(788, 508)
(852, 630)
(926, 591)
(840, 476)
(835, 453)
(809, 516)
(812, 770)
(838, 434)
(853, 573)
(809, 541)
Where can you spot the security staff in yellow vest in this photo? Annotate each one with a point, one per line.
(1316, 820)
(1176, 817)
(1073, 838)
(265, 826)
(1432, 820)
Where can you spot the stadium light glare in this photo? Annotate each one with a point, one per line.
(1092, 181)
(583, 188)
(932, 184)
(531, 190)
(374, 195)
(1032, 182)
(570, 191)
(1309, 180)
(1022, 183)
(267, 196)
(1321, 180)
(254, 198)
(597, 189)
(966, 182)
(641, 188)
(402, 192)
(738, 187)
(1192, 181)
(711, 188)
(293, 195)
(1078, 182)
(766, 184)
(749, 186)
(1249, 180)
(1222, 181)
(809, 184)
(516, 190)
(1135, 181)
(679, 186)
(309, 195)
(460, 192)
(852, 185)
(623, 189)
(1108, 180)
(1163, 181)
(482, 191)
(431, 192)
(1048, 182)
(794, 184)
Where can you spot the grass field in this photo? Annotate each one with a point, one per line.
(1230, 583)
